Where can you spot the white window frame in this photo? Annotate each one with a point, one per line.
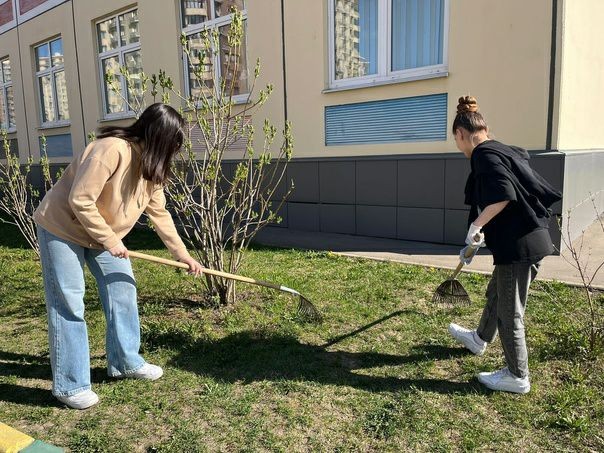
(211, 24)
(120, 51)
(48, 4)
(13, 22)
(51, 71)
(3, 88)
(384, 73)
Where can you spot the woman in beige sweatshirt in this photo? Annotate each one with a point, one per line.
(84, 218)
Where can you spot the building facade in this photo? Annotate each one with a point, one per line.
(370, 86)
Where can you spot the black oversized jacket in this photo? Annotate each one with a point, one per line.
(519, 233)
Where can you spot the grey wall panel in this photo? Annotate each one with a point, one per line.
(338, 218)
(303, 216)
(551, 167)
(227, 170)
(376, 183)
(555, 233)
(583, 181)
(378, 221)
(421, 183)
(282, 187)
(305, 178)
(456, 226)
(281, 212)
(419, 224)
(456, 174)
(35, 176)
(337, 182)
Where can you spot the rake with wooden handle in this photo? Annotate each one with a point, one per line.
(451, 291)
(305, 306)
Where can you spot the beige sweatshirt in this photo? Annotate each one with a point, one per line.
(100, 197)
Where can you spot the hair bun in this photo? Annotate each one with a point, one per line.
(467, 104)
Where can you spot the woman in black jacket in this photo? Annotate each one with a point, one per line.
(510, 215)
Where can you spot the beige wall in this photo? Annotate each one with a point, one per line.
(160, 49)
(582, 76)
(498, 52)
(54, 23)
(86, 14)
(9, 45)
(502, 58)
(264, 42)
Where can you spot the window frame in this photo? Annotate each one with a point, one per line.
(51, 71)
(4, 86)
(120, 51)
(385, 75)
(210, 24)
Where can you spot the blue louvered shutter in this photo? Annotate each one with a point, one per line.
(413, 119)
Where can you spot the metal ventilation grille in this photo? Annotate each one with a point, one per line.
(414, 119)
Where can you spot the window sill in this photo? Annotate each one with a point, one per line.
(54, 125)
(240, 99)
(392, 81)
(124, 116)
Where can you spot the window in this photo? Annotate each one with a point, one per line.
(58, 145)
(200, 15)
(7, 101)
(13, 148)
(382, 41)
(118, 41)
(50, 78)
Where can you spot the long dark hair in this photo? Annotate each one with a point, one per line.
(159, 132)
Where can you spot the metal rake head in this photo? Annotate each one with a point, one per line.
(307, 310)
(451, 292)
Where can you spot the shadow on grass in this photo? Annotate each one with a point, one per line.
(27, 366)
(191, 303)
(10, 236)
(251, 356)
(18, 394)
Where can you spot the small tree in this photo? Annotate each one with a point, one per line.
(219, 212)
(580, 262)
(18, 198)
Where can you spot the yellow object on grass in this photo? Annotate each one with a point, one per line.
(12, 441)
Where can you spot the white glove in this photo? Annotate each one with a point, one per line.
(475, 237)
(462, 254)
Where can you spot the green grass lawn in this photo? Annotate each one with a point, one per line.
(380, 374)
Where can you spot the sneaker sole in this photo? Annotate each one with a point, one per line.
(80, 408)
(522, 391)
(460, 341)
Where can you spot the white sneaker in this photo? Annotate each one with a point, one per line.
(504, 380)
(81, 400)
(469, 338)
(147, 371)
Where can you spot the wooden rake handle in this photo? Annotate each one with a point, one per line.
(469, 252)
(157, 259)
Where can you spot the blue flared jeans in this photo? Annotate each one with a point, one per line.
(63, 273)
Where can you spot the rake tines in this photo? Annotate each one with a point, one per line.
(451, 292)
(307, 310)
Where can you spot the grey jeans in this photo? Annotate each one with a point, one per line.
(504, 313)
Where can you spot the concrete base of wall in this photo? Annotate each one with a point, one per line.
(411, 197)
(418, 197)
